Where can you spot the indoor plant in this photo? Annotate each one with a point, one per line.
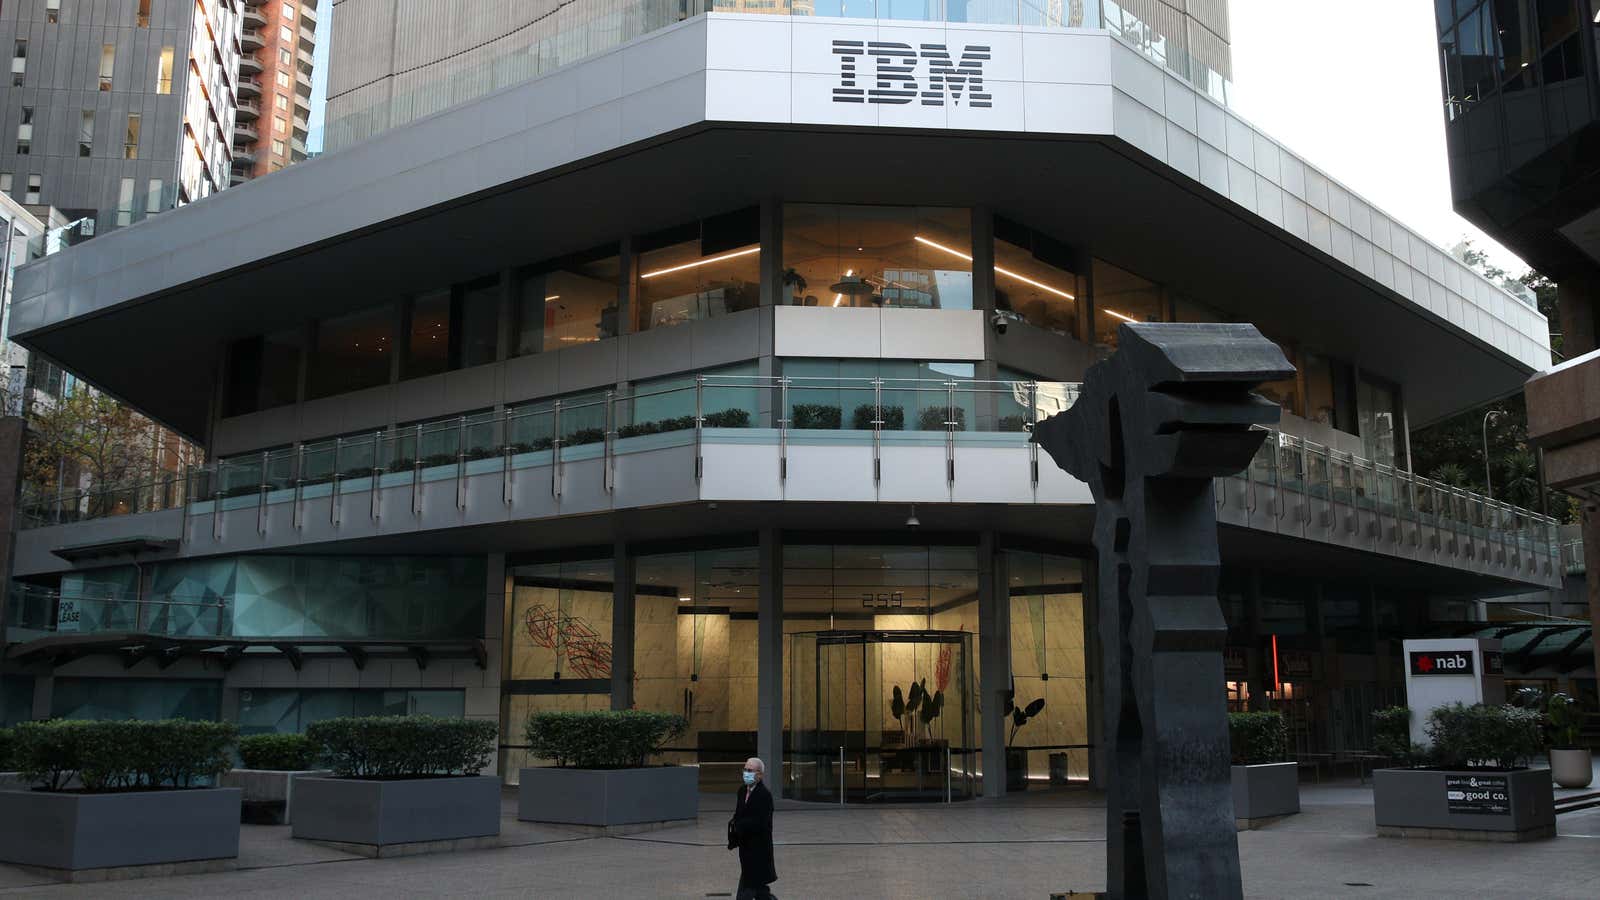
(1265, 786)
(1017, 757)
(398, 781)
(600, 777)
(269, 765)
(120, 794)
(1571, 764)
(1472, 781)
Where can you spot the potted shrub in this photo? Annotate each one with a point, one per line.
(600, 778)
(1017, 757)
(815, 415)
(120, 795)
(1265, 786)
(894, 417)
(1472, 782)
(268, 767)
(400, 784)
(1571, 764)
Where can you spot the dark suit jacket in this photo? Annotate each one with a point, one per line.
(751, 831)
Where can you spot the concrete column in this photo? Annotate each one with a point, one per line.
(1260, 672)
(1095, 697)
(769, 658)
(625, 569)
(484, 702)
(773, 290)
(994, 639)
(44, 689)
(1575, 306)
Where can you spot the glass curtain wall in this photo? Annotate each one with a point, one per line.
(353, 351)
(1121, 296)
(568, 302)
(912, 398)
(290, 710)
(1047, 663)
(876, 256)
(695, 654)
(558, 639)
(1035, 279)
(146, 699)
(699, 271)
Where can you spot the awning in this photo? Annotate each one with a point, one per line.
(164, 650)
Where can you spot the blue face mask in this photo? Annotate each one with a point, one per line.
(749, 778)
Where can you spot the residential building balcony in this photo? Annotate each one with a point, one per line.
(238, 176)
(886, 441)
(251, 39)
(254, 17)
(246, 110)
(245, 134)
(249, 65)
(249, 86)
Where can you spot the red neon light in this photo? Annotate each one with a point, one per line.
(1277, 682)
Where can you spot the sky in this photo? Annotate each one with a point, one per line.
(319, 77)
(1353, 87)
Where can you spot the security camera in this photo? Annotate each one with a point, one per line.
(999, 320)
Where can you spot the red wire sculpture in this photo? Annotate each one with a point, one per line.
(587, 655)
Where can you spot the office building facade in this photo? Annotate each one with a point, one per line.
(117, 110)
(276, 41)
(697, 376)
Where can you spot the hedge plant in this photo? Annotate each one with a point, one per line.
(404, 746)
(122, 756)
(601, 739)
(1391, 733)
(815, 415)
(1480, 736)
(5, 749)
(280, 752)
(933, 418)
(894, 417)
(1257, 737)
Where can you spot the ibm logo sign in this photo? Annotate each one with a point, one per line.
(895, 71)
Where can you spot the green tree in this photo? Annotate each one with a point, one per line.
(87, 435)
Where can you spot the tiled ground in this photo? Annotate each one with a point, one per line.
(1026, 846)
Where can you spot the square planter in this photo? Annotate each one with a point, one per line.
(1016, 769)
(1515, 805)
(70, 833)
(401, 815)
(268, 793)
(1265, 791)
(606, 798)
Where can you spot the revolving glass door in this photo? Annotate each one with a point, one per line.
(882, 716)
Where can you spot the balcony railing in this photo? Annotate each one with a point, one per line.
(1290, 482)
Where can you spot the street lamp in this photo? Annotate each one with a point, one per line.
(1488, 486)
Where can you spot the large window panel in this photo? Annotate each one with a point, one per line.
(874, 256)
(263, 372)
(568, 303)
(838, 393)
(452, 328)
(353, 351)
(1047, 663)
(1034, 279)
(428, 335)
(699, 271)
(145, 699)
(1121, 297)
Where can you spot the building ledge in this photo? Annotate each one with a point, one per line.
(164, 650)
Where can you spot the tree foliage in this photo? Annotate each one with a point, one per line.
(85, 434)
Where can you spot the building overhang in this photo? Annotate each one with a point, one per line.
(164, 650)
(1564, 421)
(129, 546)
(1082, 138)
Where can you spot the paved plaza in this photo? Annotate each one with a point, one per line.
(1026, 847)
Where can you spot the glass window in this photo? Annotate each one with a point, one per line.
(478, 313)
(263, 372)
(284, 56)
(125, 202)
(287, 12)
(1380, 418)
(1285, 393)
(35, 187)
(144, 14)
(291, 710)
(19, 63)
(353, 352)
(1047, 663)
(1121, 296)
(86, 133)
(569, 302)
(452, 328)
(108, 65)
(1187, 310)
(280, 101)
(1034, 278)
(835, 255)
(838, 393)
(1328, 396)
(710, 268)
(279, 125)
(153, 201)
(282, 78)
(16, 699)
(285, 33)
(145, 699)
(428, 335)
(130, 142)
(164, 72)
(1557, 19)
(5, 182)
(728, 400)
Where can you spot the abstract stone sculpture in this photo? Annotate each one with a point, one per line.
(1152, 426)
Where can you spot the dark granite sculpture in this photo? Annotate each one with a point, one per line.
(1152, 426)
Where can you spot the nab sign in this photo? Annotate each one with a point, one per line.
(1441, 662)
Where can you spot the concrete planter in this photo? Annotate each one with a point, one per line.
(268, 793)
(381, 818)
(1572, 768)
(608, 798)
(1515, 805)
(69, 834)
(1266, 791)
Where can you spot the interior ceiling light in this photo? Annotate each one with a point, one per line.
(838, 297)
(1006, 272)
(700, 262)
(1112, 312)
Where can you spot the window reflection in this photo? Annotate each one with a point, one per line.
(263, 372)
(1034, 278)
(1380, 415)
(699, 271)
(873, 256)
(570, 302)
(1328, 397)
(353, 351)
(428, 344)
(1119, 297)
(452, 328)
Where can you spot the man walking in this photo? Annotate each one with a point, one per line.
(750, 830)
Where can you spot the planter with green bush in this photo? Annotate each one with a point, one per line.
(269, 764)
(1472, 782)
(1017, 757)
(400, 784)
(120, 795)
(600, 777)
(1571, 763)
(1265, 786)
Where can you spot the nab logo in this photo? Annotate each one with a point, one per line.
(894, 79)
(1441, 662)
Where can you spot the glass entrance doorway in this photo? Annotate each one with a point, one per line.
(882, 716)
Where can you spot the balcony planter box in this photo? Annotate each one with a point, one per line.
(1265, 792)
(609, 798)
(268, 793)
(77, 836)
(1572, 768)
(1473, 805)
(393, 817)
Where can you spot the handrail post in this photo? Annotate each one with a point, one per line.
(505, 455)
(375, 496)
(608, 442)
(416, 472)
(555, 449)
(950, 432)
(1032, 422)
(461, 462)
(877, 430)
(699, 426)
(783, 429)
(841, 776)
